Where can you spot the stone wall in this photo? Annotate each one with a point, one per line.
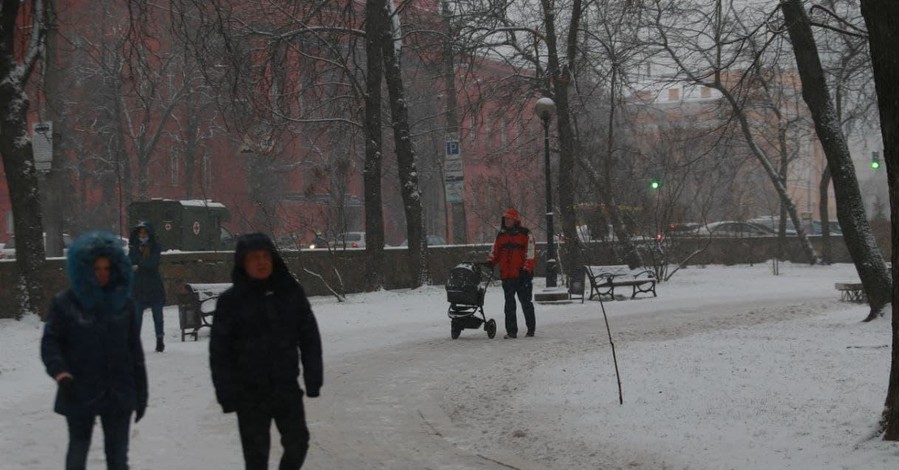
(179, 268)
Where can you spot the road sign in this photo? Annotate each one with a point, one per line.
(453, 177)
(42, 145)
(196, 228)
(452, 147)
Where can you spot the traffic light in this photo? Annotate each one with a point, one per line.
(655, 183)
(875, 160)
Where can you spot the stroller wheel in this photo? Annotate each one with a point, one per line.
(490, 326)
(455, 330)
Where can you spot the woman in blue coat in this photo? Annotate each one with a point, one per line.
(92, 350)
(149, 292)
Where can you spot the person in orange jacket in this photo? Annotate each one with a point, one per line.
(515, 252)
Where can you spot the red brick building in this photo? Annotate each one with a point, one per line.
(288, 183)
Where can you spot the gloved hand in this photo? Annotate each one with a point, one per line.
(524, 274)
(312, 393)
(139, 413)
(66, 387)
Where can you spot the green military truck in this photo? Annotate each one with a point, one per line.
(194, 225)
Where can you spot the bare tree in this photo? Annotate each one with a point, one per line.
(709, 48)
(881, 17)
(375, 26)
(608, 53)
(17, 64)
(850, 209)
(391, 40)
(847, 65)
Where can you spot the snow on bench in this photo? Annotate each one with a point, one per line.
(604, 280)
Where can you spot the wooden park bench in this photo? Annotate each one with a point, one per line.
(851, 291)
(196, 304)
(604, 280)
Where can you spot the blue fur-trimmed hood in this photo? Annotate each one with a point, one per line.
(80, 268)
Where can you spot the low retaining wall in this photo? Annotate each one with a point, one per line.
(179, 268)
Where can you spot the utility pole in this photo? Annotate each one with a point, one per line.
(453, 177)
(53, 181)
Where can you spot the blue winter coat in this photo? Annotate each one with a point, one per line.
(148, 287)
(91, 333)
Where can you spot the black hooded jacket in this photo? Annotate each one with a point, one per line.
(260, 332)
(148, 287)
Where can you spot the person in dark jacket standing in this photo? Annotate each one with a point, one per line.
(515, 252)
(263, 327)
(91, 348)
(145, 253)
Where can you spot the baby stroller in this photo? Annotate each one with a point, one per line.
(465, 291)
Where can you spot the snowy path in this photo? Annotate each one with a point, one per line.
(399, 394)
(399, 397)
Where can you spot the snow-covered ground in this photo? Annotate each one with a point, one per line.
(730, 367)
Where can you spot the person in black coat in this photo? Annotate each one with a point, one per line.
(91, 348)
(149, 292)
(263, 327)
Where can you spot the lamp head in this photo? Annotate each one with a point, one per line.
(545, 108)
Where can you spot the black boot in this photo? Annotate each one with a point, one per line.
(159, 346)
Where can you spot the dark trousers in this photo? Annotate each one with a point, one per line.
(255, 422)
(156, 308)
(524, 289)
(115, 439)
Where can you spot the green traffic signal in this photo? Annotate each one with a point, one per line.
(875, 164)
(654, 184)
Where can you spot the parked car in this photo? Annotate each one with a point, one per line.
(433, 240)
(681, 229)
(834, 226)
(9, 249)
(772, 222)
(349, 240)
(733, 229)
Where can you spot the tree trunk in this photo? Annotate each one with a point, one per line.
(18, 159)
(22, 181)
(374, 218)
(784, 169)
(850, 208)
(631, 256)
(55, 183)
(823, 208)
(405, 152)
(881, 17)
(560, 77)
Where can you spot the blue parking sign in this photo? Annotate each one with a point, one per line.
(452, 147)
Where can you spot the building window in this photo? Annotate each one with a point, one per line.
(673, 94)
(705, 92)
(503, 129)
(10, 228)
(174, 168)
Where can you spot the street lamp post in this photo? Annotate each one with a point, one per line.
(545, 108)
